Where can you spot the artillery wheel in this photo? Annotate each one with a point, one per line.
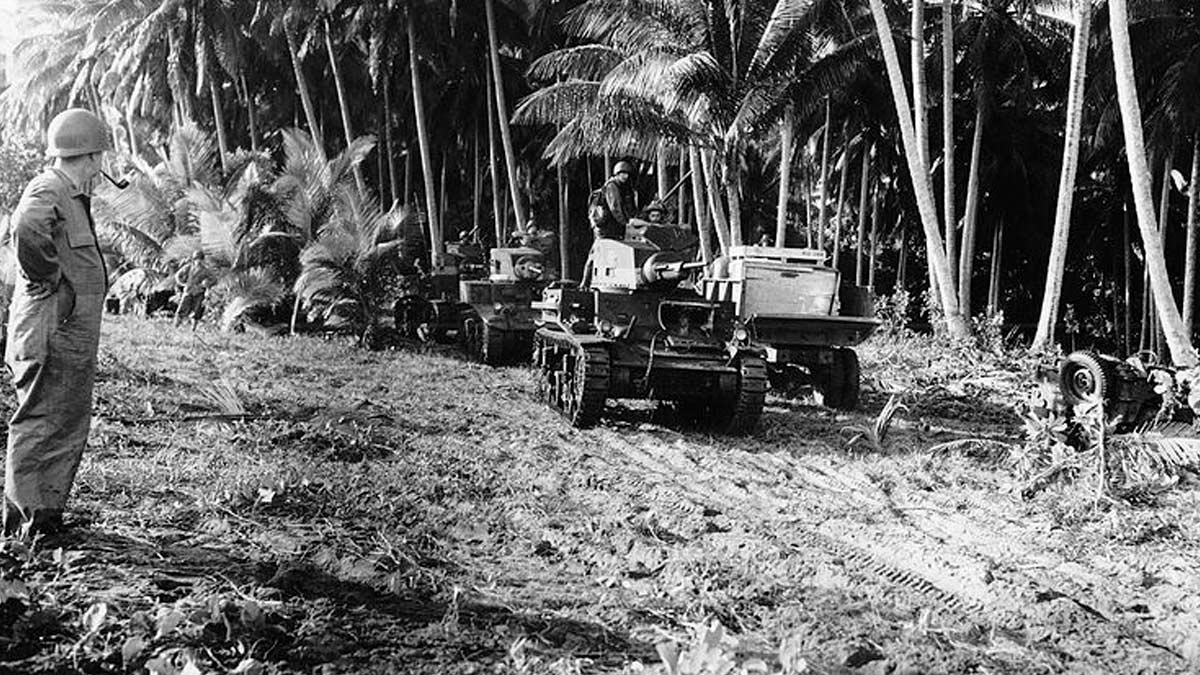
(843, 385)
(1085, 378)
(738, 412)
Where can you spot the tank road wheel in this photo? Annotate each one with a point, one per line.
(739, 411)
(584, 385)
(1085, 378)
(843, 385)
(491, 345)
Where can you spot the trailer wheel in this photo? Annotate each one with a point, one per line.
(843, 386)
(1085, 378)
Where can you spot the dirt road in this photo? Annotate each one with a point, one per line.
(408, 512)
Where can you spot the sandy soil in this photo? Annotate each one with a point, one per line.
(409, 512)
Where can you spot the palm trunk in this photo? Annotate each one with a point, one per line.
(431, 202)
(1178, 340)
(564, 222)
(1127, 251)
(920, 110)
(703, 225)
(720, 224)
(835, 254)
(993, 303)
(442, 198)
(497, 200)
(823, 190)
(310, 113)
(733, 195)
(251, 113)
(948, 204)
(389, 141)
(1164, 205)
(863, 193)
(876, 198)
(343, 105)
(919, 175)
(786, 137)
(1066, 183)
(660, 171)
(477, 185)
(510, 156)
(966, 262)
(902, 264)
(1189, 265)
(683, 220)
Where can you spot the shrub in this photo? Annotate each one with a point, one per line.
(20, 161)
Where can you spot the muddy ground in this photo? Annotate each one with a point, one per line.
(250, 504)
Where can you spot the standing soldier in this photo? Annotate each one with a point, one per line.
(611, 206)
(193, 280)
(54, 326)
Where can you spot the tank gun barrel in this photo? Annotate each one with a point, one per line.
(668, 271)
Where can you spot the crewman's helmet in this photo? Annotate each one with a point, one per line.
(623, 167)
(76, 132)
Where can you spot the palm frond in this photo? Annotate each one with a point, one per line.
(557, 104)
(584, 62)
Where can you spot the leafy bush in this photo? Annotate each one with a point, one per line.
(20, 161)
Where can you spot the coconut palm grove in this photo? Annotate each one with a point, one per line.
(694, 337)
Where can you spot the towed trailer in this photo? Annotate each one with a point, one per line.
(795, 308)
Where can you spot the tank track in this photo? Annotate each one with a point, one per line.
(572, 378)
(745, 408)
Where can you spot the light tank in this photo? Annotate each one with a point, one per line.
(497, 317)
(630, 331)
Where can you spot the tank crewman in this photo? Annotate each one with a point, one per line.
(656, 214)
(611, 206)
(54, 327)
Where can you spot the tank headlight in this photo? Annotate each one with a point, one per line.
(741, 335)
(499, 307)
(606, 327)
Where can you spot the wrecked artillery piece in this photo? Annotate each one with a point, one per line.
(486, 309)
(788, 300)
(1136, 394)
(631, 331)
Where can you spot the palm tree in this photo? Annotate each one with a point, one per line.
(1177, 339)
(919, 175)
(345, 271)
(1066, 190)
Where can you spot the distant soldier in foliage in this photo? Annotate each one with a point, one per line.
(193, 281)
(54, 327)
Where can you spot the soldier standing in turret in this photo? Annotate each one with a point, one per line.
(54, 326)
(611, 206)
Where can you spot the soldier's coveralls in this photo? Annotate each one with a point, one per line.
(51, 348)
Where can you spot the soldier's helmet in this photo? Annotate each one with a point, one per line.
(623, 167)
(77, 132)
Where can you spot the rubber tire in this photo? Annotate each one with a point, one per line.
(1085, 370)
(843, 385)
(739, 412)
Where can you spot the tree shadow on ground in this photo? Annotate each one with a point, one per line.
(165, 569)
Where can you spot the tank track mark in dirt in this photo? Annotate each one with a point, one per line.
(572, 376)
(1004, 603)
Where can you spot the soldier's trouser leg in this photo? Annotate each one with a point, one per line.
(53, 363)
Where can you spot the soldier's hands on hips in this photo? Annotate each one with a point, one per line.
(39, 290)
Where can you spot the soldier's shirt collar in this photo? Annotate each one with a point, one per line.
(73, 189)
